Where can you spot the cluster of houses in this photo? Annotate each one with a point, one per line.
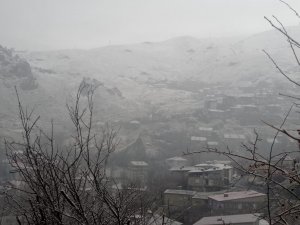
(203, 194)
(203, 177)
(240, 110)
(206, 193)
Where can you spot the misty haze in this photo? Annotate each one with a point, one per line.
(161, 112)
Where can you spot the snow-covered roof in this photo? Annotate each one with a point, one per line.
(176, 158)
(206, 128)
(243, 106)
(216, 110)
(236, 195)
(193, 138)
(134, 122)
(204, 195)
(202, 167)
(234, 136)
(138, 163)
(230, 219)
(180, 192)
(212, 143)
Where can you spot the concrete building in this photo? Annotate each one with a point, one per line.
(137, 173)
(233, 140)
(176, 162)
(216, 113)
(241, 201)
(198, 139)
(179, 175)
(212, 144)
(206, 131)
(201, 198)
(178, 198)
(209, 177)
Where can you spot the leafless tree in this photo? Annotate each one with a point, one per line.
(281, 182)
(68, 185)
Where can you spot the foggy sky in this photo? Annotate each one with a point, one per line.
(63, 24)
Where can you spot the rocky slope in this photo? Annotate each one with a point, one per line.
(15, 71)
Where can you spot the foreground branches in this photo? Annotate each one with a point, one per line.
(69, 185)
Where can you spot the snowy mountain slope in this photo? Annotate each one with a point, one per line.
(141, 79)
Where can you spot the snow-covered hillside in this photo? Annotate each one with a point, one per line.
(141, 79)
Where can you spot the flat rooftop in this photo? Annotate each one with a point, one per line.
(236, 195)
(194, 138)
(202, 167)
(204, 195)
(180, 192)
(182, 169)
(206, 128)
(176, 158)
(138, 163)
(212, 143)
(234, 136)
(230, 219)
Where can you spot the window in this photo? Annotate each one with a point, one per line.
(240, 206)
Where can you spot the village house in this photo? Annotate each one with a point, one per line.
(280, 162)
(176, 162)
(201, 198)
(206, 131)
(233, 140)
(178, 201)
(198, 139)
(283, 161)
(216, 114)
(209, 177)
(137, 173)
(179, 176)
(241, 201)
(178, 198)
(212, 144)
(211, 104)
